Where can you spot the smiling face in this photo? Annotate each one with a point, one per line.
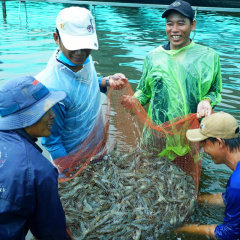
(214, 150)
(42, 128)
(77, 56)
(178, 29)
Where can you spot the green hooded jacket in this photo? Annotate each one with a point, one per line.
(173, 83)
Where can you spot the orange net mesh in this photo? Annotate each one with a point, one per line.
(140, 179)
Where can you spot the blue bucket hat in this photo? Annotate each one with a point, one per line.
(180, 6)
(23, 101)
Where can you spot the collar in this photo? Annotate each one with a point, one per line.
(167, 46)
(33, 141)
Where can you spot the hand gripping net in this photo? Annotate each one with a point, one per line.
(139, 180)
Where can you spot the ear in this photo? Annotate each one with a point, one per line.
(221, 143)
(193, 25)
(56, 39)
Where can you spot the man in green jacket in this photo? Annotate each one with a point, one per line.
(181, 77)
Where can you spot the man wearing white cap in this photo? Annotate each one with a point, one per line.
(72, 70)
(219, 135)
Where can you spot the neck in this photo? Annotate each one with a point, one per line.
(177, 48)
(232, 159)
(71, 65)
(75, 68)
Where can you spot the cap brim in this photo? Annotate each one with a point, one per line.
(72, 43)
(32, 114)
(194, 135)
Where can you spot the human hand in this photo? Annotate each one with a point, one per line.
(204, 108)
(128, 101)
(117, 81)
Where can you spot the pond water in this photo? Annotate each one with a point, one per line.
(126, 35)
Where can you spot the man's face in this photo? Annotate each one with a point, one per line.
(213, 150)
(42, 128)
(76, 56)
(178, 29)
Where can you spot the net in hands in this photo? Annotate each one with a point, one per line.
(139, 180)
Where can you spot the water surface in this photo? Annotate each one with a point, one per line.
(125, 36)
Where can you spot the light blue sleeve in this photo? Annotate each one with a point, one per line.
(103, 90)
(53, 143)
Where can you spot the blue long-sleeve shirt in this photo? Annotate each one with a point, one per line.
(29, 197)
(230, 228)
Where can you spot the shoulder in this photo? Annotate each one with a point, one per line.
(39, 167)
(50, 74)
(159, 49)
(154, 53)
(17, 151)
(204, 49)
(10, 141)
(12, 151)
(14, 167)
(235, 178)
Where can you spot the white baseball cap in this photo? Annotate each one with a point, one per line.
(77, 28)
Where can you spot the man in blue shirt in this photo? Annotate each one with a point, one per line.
(219, 135)
(71, 69)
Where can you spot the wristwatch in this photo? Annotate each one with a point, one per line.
(107, 81)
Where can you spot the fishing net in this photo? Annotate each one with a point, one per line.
(139, 181)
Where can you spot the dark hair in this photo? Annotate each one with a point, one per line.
(58, 34)
(191, 20)
(233, 144)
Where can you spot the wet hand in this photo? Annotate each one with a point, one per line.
(204, 108)
(128, 101)
(117, 81)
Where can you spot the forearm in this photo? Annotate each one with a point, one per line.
(207, 99)
(214, 92)
(141, 97)
(60, 151)
(214, 98)
(211, 198)
(105, 82)
(102, 84)
(206, 230)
